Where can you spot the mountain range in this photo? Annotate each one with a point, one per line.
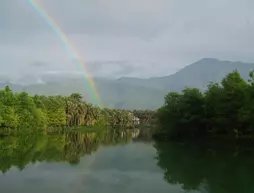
(138, 93)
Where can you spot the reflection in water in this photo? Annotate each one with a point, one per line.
(61, 163)
(207, 169)
(112, 161)
(23, 148)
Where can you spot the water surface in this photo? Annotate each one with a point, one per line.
(113, 162)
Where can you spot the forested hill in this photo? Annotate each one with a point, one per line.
(137, 93)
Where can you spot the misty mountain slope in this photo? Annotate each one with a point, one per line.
(136, 81)
(112, 93)
(198, 74)
(137, 93)
(120, 95)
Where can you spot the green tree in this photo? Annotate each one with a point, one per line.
(223, 109)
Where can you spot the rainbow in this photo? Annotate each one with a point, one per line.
(69, 46)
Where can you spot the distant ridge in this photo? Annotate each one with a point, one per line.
(140, 93)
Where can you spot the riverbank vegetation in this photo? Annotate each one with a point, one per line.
(19, 110)
(146, 117)
(224, 109)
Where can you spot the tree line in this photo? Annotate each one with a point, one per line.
(223, 109)
(145, 116)
(19, 110)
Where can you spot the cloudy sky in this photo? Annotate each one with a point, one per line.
(125, 37)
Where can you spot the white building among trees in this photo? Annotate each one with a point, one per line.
(136, 120)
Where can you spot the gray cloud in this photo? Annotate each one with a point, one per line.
(167, 34)
(38, 64)
(96, 65)
(113, 68)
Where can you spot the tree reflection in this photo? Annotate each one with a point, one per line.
(207, 169)
(20, 149)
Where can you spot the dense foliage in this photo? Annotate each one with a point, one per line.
(19, 110)
(223, 109)
(145, 116)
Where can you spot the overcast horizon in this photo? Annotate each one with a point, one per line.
(137, 38)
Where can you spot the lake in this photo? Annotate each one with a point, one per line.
(113, 161)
